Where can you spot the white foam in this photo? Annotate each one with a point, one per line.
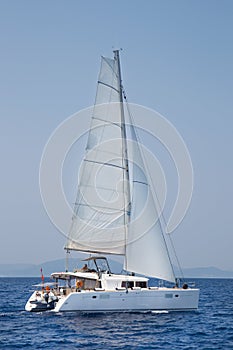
(159, 311)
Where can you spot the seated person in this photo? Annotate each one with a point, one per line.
(85, 268)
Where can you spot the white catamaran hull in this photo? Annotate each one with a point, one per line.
(89, 292)
(133, 300)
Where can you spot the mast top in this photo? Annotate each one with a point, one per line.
(120, 49)
(116, 52)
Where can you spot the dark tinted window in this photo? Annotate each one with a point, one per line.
(141, 284)
(127, 284)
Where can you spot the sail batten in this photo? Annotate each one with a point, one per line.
(108, 85)
(104, 163)
(102, 120)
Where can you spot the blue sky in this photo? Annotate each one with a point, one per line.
(177, 60)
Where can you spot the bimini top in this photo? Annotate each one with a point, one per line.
(94, 258)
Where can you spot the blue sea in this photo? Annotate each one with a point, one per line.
(211, 327)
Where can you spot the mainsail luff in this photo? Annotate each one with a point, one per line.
(125, 164)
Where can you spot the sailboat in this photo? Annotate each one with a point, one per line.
(114, 201)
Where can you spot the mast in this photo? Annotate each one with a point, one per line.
(125, 163)
(67, 259)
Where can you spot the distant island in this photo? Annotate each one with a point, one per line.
(32, 270)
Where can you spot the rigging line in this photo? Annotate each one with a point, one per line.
(170, 239)
(157, 201)
(174, 251)
(124, 152)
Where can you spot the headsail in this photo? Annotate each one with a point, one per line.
(146, 250)
(101, 206)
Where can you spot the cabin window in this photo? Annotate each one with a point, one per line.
(141, 284)
(98, 284)
(89, 284)
(127, 284)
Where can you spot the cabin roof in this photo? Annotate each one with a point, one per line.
(78, 274)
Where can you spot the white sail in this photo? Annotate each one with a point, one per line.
(100, 211)
(102, 220)
(146, 250)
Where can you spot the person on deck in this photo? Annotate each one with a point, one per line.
(84, 268)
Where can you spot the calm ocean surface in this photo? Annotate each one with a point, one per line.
(211, 327)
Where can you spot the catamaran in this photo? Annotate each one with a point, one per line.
(114, 201)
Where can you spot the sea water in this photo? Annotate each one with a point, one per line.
(211, 327)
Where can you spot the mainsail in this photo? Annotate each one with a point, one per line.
(105, 220)
(101, 214)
